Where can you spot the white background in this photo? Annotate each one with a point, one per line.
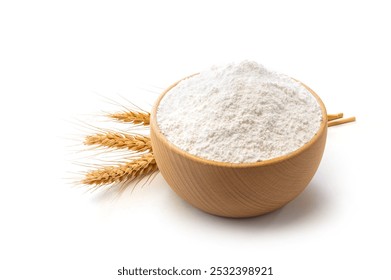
(55, 56)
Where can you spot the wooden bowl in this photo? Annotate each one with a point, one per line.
(237, 189)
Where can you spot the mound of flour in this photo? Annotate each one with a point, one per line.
(240, 112)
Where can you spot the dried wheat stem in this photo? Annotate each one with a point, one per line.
(132, 117)
(127, 172)
(331, 117)
(341, 121)
(117, 140)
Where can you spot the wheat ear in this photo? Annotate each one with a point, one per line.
(117, 140)
(126, 172)
(134, 117)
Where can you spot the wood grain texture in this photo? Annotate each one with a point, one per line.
(237, 189)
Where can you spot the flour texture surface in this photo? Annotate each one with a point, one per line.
(239, 113)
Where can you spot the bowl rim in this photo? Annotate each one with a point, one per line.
(162, 137)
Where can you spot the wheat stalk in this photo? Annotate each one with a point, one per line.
(126, 172)
(341, 121)
(132, 117)
(117, 140)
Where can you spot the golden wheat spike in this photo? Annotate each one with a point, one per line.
(127, 172)
(117, 140)
(134, 117)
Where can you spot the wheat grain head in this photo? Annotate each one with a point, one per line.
(134, 117)
(139, 143)
(135, 169)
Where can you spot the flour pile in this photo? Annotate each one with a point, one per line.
(239, 113)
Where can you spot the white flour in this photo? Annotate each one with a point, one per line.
(239, 113)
